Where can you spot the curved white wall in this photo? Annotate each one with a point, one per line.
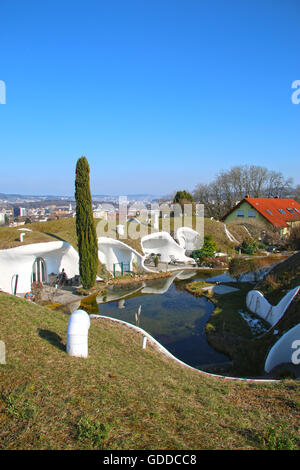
(188, 238)
(111, 251)
(285, 350)
(257, 303)
(20, 260)
(163, 243)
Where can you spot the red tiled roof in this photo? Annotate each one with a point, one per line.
(277, 211)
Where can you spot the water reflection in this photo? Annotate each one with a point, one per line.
(169, 313)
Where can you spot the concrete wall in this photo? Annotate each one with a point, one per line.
(257, 303)
(286, 350)
(163, 243)
(188, 239)
(113, 252)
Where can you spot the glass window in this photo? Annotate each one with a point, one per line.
(269, 212)
(240, 213)
(251, 214)
(281, 211)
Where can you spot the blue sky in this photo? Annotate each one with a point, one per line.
(158, 94)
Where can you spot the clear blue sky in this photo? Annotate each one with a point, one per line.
(158, 94)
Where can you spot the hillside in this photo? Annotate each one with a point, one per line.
(65, 229)
(124, 397)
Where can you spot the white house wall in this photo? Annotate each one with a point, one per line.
(188, 238)
(162, 243)
(113, 252)
(20, 260)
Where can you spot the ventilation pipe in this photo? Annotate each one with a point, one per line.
(77, 334)
(22, 235)
(120, 229)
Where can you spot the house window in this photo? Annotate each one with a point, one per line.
(269, 212)
(251, 214)
(290, 210)
(297, 210)
(240, 213)
(281, 211)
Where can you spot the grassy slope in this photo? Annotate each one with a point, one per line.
(64, 229)
(10, 238)
(123, 397)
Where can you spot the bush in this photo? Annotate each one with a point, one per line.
(248, 246)
(214, 262)
(208, 249)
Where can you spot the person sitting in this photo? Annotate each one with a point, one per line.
(63, 277)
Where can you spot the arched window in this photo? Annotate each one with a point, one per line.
(39, 273)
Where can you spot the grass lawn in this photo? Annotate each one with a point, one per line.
(124, 397)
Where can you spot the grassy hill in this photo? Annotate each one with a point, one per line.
(64, 229)
(124, 397)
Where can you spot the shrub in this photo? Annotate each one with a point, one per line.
(208, 249)
(248, 246)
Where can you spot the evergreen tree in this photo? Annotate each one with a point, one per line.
(85, 228)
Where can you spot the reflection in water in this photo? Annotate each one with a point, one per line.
(169, 313)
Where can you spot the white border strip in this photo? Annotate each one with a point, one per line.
(168, 354)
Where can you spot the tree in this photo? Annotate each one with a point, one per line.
(297, 193)
(182, 195)
(85, 228)
(231, 186)
(184, 198)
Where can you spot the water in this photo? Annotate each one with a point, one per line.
(169, 313)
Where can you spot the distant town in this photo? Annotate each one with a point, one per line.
(17, 210)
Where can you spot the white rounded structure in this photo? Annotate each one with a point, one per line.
(21, 266)
(286, 350)
(162, 243)
(188, 239)
(77, 334)
(114, 253)
(257, 303)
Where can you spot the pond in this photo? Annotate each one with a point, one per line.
(169, 313)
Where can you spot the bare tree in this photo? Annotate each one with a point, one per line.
(231, 186)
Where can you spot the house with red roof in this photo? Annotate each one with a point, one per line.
(281, 214)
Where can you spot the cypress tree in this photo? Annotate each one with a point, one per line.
(85, 228)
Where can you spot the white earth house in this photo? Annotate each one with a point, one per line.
(118, 256)
(162, 243)
(21, 266)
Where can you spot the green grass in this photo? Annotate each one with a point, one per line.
(124, 397)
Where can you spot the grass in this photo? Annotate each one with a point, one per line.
(65, 229)
(124, 397)
(10, 238)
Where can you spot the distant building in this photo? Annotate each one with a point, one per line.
(281, 214)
